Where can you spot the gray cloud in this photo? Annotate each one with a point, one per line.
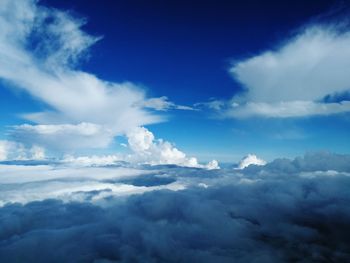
(286, 211)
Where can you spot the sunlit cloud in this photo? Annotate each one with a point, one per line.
(40, 52)
(306, 75)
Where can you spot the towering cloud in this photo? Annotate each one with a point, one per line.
(148, 150)
(250, 159)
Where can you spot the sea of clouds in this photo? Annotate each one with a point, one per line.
(283, 211)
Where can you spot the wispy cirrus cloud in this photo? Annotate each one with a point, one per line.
(163, 104)
(40, 51)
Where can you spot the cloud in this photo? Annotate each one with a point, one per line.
(150, 151)
(306, 75)
(250, 159)
(271, 213)
(322, 161)
(63, 137)
(70, 182)
(163, 104)
(3, 150)
(37, 152)
(40, 52)
(145, 149)
(307, 67)
(10, 150)
(286, 109)
(93, 160)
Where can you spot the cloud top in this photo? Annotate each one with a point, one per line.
(287, 210)
(250, 159)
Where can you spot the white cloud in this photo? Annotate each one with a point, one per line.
(39, 50)
(94, 160)
(3, 150)
(37, 153)
(145, 148)
(67, 183)
(212, 165)
(140, 139)
(64, 137)
(307, 67)
(10, 150)
(250, 159)
(285, 109)
(163, 104)
(148, 150)
(293, 79)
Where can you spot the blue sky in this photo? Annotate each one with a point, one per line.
(199, 54)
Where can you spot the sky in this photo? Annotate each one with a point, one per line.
(174, 131)
(215, 80)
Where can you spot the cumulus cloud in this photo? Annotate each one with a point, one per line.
(250, 159)
(306, 75)
(150, 151)
(145, 149)
(271, 213)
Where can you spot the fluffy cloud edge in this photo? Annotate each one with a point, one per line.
(305, 76)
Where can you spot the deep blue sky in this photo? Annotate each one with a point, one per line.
(183, 50)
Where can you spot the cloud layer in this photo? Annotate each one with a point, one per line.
(144, 148)
(286, 211)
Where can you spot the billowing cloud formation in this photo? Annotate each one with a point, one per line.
(39, 51)
(306, 75)
(150, 151)
(250, 159)
(286, 211)
(142, 143)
